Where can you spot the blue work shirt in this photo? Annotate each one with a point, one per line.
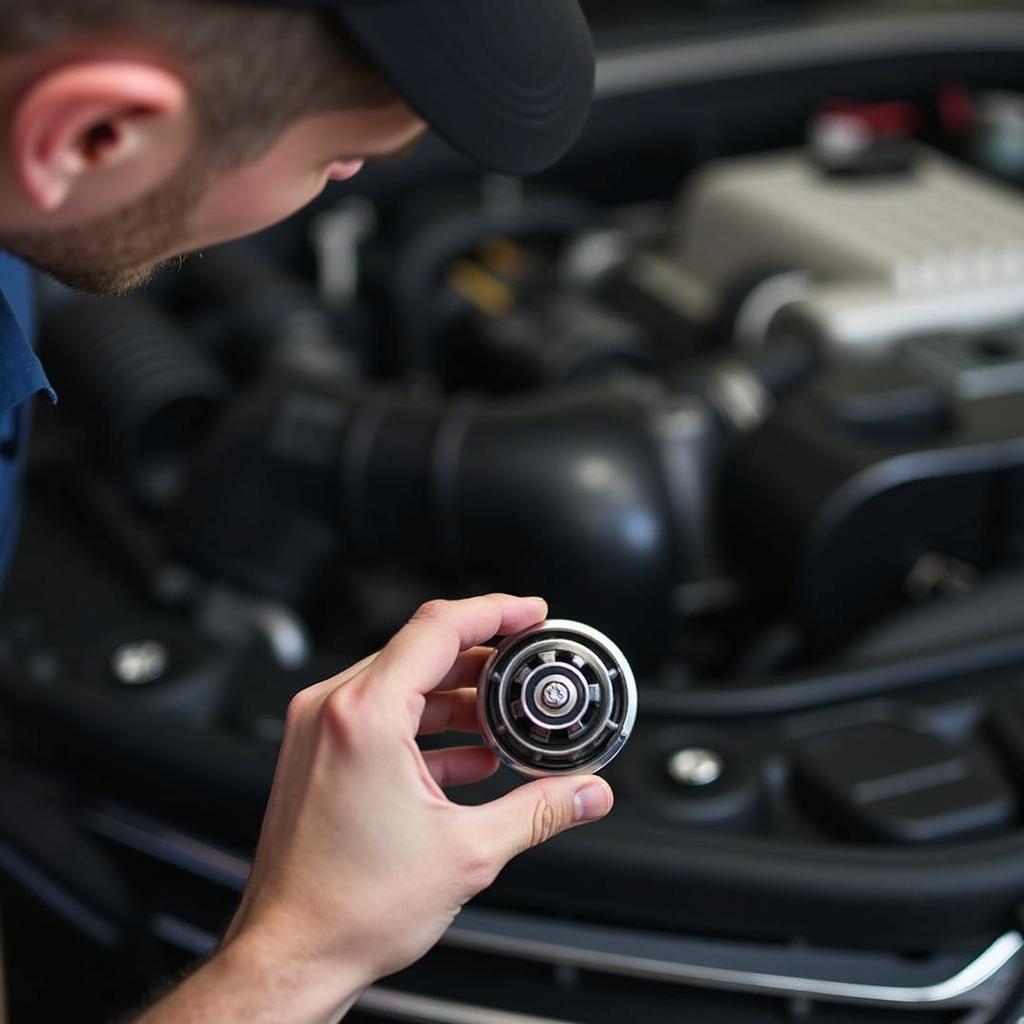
(21, 377)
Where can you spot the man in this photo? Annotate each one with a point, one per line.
(137, 130)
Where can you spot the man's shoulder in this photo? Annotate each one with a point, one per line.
(16, 288)
(21, 374)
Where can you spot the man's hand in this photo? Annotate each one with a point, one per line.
(363, 862)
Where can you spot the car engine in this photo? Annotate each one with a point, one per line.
(741, 386)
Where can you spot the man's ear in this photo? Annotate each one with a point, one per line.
(98, 133)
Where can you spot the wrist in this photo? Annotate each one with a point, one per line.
(283, 977)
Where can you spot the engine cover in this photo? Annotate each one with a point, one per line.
(863, 259)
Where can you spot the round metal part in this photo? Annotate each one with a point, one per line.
(139, 663)
(557, 699)
(695, 766)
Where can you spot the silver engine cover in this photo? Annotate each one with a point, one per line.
(866, 261)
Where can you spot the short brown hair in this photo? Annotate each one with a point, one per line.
(254, 69)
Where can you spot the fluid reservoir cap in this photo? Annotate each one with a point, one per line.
(885, 781)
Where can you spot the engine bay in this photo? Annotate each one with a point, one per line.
(739, 386)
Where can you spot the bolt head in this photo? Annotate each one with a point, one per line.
(695, 766)
(140, 662)
(555, 695)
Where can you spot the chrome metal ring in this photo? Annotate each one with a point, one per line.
(588, 713)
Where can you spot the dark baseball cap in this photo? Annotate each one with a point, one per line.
(509, 83)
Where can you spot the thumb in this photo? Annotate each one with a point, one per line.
(539, 811)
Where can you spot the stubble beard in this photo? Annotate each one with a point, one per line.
(120, 252)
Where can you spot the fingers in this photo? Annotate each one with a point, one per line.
(467, 669)
(460, 766)
(305, 704)
(454, 711)
(539, 811)
(424, 652)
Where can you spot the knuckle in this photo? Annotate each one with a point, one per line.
(297, 709)
(354, 719)
(495, 601)
(432, 611)
(339, 717)
(476, 865)
(437, 616)
(546, 820)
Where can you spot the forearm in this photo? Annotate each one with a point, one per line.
(246, 981)
(363, 863)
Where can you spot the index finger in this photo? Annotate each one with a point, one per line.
(420, 656)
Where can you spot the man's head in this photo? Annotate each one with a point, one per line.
(141, 129)
(132, 131)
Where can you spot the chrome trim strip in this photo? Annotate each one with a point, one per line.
(879, 979)
(386, 1002)
(691, 961)
(163, 843)
(404, 1006)
(825, 41)
(57, 898)
(184, 936)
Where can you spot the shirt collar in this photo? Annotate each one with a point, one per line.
(21, 373)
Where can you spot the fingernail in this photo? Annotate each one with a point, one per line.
(590, 803)
(536, 600)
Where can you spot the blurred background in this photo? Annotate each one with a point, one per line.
(740, 382)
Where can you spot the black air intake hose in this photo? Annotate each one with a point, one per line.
(565, 496)
(137, 383)
(266, 318)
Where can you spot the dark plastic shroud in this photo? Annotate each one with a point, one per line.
(539, 493)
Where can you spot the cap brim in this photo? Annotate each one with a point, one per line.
(507, 82)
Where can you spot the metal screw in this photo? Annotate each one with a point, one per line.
(139, 663)
(555, 695)
(695, 766)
